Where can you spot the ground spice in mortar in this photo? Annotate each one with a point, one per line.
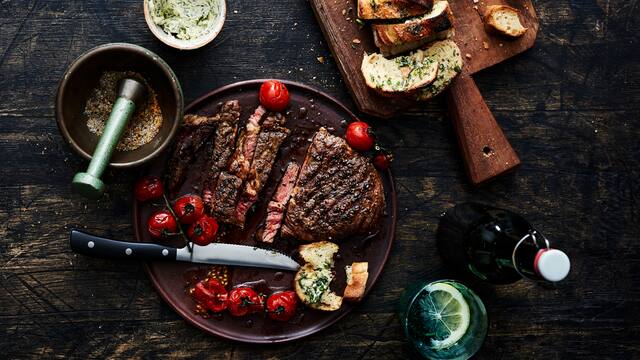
(143, 126)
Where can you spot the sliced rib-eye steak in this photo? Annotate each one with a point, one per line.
(338, 193)
(271, 136)
(220, 154)
(275, 209)
(195, 132)
(224, 195)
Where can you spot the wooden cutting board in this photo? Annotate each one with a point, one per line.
(486, 151)
(349, 42)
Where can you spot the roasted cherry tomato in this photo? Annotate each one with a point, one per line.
(382, 161)
(211, 295)
(148, 188)
(243, 301)
(360, 136)
(162, 224)
(274, 95)
(282, 305)
(188, 208)
(203, 231)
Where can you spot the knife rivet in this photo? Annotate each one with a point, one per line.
(128, 251)
(165, 252)
(90, 244)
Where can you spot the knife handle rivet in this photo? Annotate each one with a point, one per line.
(91, 244)
(128, 251)
(165, 252)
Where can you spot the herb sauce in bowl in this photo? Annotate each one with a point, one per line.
(185, 24)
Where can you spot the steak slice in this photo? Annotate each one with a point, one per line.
(275, 209)
(221, 151)
(268, 143)
(224, 195)
(241, 161)
(338, 193)
(195, 132)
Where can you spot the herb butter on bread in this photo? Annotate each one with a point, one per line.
(401, 75)
(504, 20)
(391, 9)
(449, 59)
(314, 277)
(415, 32)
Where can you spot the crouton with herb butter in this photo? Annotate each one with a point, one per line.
(314, 277)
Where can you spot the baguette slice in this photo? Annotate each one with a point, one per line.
(314, 277)
(399, 76)
(413, 33)
(391, 9)
(505, 20)
(449, 59)
(357, 275)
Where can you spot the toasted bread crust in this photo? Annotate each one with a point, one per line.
(391, 9)
(357, 281)
(392, 39)
(494, 24)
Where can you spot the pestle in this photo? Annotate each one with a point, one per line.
(130, 93)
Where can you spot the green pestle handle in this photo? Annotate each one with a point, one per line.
(130, 92)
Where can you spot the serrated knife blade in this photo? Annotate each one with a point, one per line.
(238, 255)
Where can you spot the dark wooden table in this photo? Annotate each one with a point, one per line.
(570, 107)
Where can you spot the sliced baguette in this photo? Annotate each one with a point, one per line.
(314, 277)
(400, 76)
(357, 275)
(391, 9)
(413, 33)
(449, 59)
(504, 20)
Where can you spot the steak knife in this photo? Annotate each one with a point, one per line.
(215, 253)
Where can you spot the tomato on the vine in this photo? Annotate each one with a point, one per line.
(148, 188)
(382, 161)
(162, 224)
(360, 136)
(274, 95)
(243, 301)
(203, 231)
(281, 306)
(188, 208)
(211, 295)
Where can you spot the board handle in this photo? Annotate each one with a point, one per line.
(485, 149)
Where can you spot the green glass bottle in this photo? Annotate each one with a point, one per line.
(497, 246)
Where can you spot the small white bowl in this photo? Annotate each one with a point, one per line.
(201, 41)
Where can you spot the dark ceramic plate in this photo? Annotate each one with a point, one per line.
(170, 279)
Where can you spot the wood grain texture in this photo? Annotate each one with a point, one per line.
(348, 42)
(485, 149)
(570, 107)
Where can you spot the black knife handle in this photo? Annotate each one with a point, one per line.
(95, 246)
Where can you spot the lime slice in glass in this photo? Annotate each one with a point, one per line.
(445, 314)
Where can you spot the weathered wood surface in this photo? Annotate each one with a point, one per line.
(569, 106)
(348, 43)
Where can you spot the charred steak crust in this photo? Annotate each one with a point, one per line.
(224, 195)
(338, 193)
(196, 130)
(222, 149)
(225, 135)
(268, 143)
(275, 209)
